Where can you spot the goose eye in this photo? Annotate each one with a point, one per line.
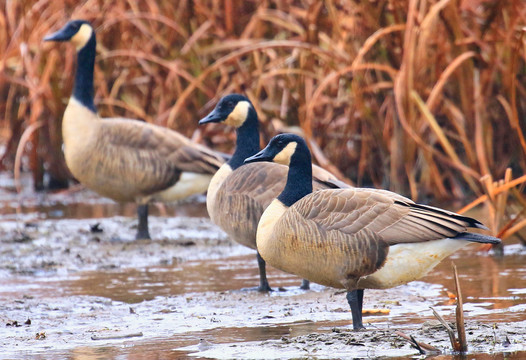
(230, 104)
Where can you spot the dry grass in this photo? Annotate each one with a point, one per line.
(422, 97)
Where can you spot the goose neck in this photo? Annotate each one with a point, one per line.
(247, 142)
(83, 88)
(299, 178)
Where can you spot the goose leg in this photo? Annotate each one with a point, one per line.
(142, 230)
(305, 284)
(263, 282)
(355, 300)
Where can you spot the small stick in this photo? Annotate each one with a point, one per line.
(449, 330)
(116, 337)
(461, 327)
(417, 344)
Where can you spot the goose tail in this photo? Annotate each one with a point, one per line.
(478, 238)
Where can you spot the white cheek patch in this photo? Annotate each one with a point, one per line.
(82, 36)
(283, 157)
(238, 116)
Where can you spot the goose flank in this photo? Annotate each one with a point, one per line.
(353, 238)
(238, 194)
(123, 159)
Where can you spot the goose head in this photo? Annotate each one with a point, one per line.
(232, 109)
(281, 149)
(78, 32)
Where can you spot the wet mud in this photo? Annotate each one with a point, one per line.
(73, 284)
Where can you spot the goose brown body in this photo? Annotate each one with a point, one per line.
(352, 234)
(130, 160)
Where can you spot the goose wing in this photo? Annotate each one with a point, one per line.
(264, 181)
(395, 218)
(155, 141)
(149, 157)
(322, 179)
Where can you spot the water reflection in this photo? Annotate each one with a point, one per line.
(489, 286)
(486, 281)
(101, 209)
(81, 203)
(136, 285)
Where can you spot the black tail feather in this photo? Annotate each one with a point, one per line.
(478, 238)
(470, 221)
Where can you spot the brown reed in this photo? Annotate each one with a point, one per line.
(421, 97)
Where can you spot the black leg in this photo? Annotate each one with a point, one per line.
(355, 300)
(305, 284)
(263, 282)
(360, 299)
(142, 230)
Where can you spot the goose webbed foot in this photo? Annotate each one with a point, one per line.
(305, 284)
(142, 229)
(355, 300)
(264, 287)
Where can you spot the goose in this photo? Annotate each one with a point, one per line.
(354, 238)
(123, 159)
(238, 194)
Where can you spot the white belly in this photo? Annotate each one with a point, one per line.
(189, 184)
(408, 262)
(214, 186)
(264, 236)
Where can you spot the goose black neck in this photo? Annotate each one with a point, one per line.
(299, 178)
(247, 142)
(83, 88)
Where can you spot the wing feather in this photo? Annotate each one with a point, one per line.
(393, 217)
(150, 157)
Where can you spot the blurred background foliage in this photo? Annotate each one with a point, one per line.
(425, 98)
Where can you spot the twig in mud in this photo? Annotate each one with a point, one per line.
(415, 343)
(461, 326)
(449, 330)
(423, 348)
(461, 344)
(116, 337)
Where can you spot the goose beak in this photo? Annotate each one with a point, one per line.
(213, 117)
(260, 156)
(60, 35)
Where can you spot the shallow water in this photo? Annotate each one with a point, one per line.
(155, 289)
(202, 305)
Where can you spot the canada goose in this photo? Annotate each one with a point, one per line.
(238, 194)
(352, 238)
(123, 159)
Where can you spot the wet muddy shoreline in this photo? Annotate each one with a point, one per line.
(187, 293)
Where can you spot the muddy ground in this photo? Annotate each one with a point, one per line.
(76, 288)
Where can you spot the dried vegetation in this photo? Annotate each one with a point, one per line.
(426, 98)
